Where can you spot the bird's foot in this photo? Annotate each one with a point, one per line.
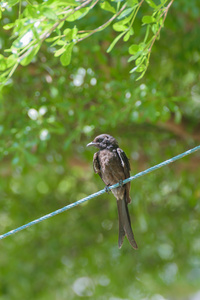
(107, 188)
(121, 183)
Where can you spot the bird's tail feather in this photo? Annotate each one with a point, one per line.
(125, 224)
(121, 226)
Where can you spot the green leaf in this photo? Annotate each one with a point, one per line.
(147, 33)
(106, 6)
(133, 49)
(151, 3)
(30, 56)
(132, 2)
(154, 28)
(52, 39)
(119, 27)
(128, 34)
(148, 19)
(125, 13)
(3, 64)
(8, 26)
(67, 31)
(134, 69)
(12, 2)
(49, 13)
(9, 50)
(115, 42)
(74, 32)
(11, 60)
(30, 10)
(140, 68)
(134, 56)
(139, 52)
(78, 14)
(84, 12)
(66, 57)
(124, 21)
(55, 43)
(61, 25)
(60, 51)
(139, 60)
(60, 43)
(68, 2)
(35, 33)
(70, 34)
(140, 77)
(74, 16)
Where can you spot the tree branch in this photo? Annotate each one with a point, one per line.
(157, 33)
(48, 33)
(101, 27)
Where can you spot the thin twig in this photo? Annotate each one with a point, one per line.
(101, 27)
(47, 34)
(157, 33)
(139, 5)
(94, 4)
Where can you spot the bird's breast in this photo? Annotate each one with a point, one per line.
(110, 165)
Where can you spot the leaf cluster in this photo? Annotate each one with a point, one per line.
(56, 22)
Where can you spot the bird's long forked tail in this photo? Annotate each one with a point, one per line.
(125, 224)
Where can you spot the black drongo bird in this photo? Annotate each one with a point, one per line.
(112, 165)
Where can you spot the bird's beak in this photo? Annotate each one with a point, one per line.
(91, 144)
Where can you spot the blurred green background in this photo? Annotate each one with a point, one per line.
(48, 113)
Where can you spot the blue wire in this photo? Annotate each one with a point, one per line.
(164, 163)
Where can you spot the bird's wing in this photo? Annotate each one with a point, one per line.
(124, 162)
(96, 164)
(126, 167)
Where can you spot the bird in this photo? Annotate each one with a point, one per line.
(112, 165)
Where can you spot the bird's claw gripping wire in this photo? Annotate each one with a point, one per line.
(107, 188)
(121, 183)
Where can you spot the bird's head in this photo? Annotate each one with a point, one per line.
(104, 141)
